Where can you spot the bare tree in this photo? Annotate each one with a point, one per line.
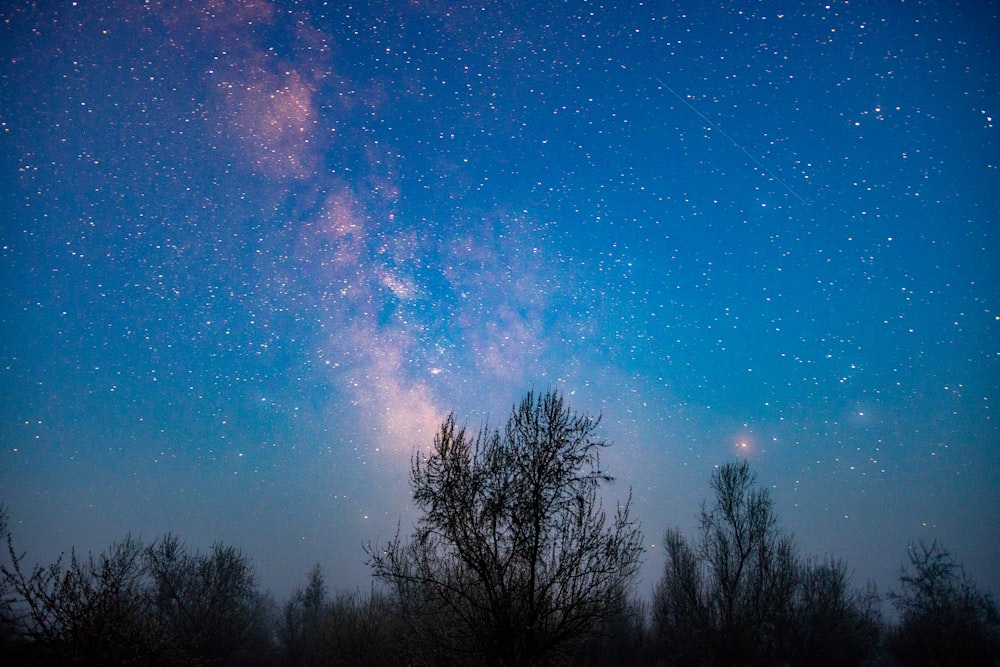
(8, 597)
(209, 603)
(349, 629)
(739, 576)
(358, 631)
(301, 622)
(742, 596)
(828, 623)
(514, 559)
(134, 604)
(944, 618)
(621, 639)
(89, 611)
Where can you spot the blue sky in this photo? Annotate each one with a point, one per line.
(253, 253)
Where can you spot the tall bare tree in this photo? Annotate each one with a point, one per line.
(741, 594)
(719, 600)
(514, 558)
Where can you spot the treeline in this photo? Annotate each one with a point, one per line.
(514, 561)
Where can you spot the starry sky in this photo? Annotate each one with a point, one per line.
(254, 252)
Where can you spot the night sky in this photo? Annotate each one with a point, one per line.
(253, 253)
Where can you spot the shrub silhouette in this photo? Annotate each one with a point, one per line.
(135, 604)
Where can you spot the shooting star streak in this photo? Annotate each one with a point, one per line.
(718, 129)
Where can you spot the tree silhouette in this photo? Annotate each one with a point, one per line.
(348, 629)
(8, 595)
(209, 603)
(301, 623)
(741, 595)
(722, 599)
(621, 638)
(359, 631)
(944, 618)
(827, 622)
(514, 558)
(89, 611)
